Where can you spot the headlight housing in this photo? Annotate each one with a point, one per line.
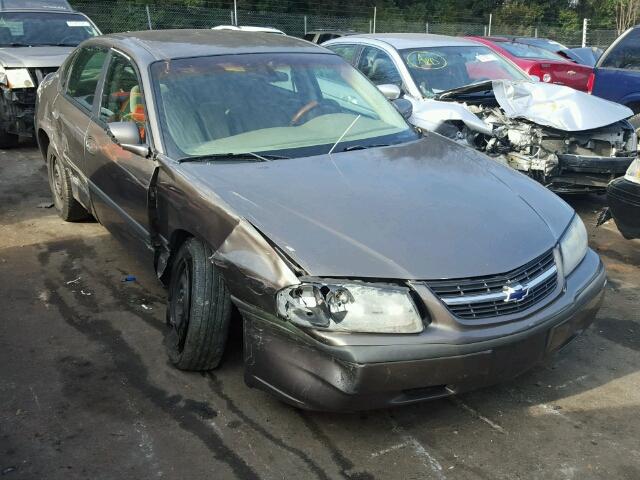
(633, 172)
(350, 307)
(573, 245)
(16, 78)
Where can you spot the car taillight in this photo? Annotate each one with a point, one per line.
(590, 82)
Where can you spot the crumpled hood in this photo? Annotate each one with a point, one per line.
(557, 106)
(547, 104)
(33, 57)
(427, 209)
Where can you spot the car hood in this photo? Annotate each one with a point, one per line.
(33, 57)
(547, 104)
(427, 209)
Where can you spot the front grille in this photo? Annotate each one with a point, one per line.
(38, 74)
(485, 297)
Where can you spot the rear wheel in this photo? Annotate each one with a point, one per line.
(199, 309)
(69, 209)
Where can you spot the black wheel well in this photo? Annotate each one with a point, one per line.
(43, 143)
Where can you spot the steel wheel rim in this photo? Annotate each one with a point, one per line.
(181, 303)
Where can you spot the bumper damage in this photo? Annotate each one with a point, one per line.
(17, 109)
(623, 198)
(335, 374)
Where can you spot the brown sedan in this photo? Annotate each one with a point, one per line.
(372, 266)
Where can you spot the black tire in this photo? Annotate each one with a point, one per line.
(198, 310)
(69, 209)
(9, 140)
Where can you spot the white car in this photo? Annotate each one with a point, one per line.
(568, 140)
(247, 28)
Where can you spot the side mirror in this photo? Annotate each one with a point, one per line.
(127, 135)
(535, 78)
(404, 106)
(389, 90)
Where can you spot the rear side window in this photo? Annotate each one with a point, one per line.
(85, 74)
(326, 37)
(348, 52)
(310, 37)
(626, 54)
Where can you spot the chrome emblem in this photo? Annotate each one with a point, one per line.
(515, 293)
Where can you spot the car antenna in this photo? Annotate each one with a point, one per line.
(344, 134)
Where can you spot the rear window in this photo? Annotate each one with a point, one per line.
(521, 50)
(44, 4)
(36, 29)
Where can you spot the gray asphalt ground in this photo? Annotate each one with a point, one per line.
(86, 391)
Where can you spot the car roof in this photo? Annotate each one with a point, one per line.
(169, 44)
(413, 40)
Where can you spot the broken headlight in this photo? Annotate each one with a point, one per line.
(17, 78)
(633, 173)
(350, 307)
(573, 245)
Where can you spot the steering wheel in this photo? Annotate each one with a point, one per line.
(295, 120)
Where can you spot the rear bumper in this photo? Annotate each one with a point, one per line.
(580, 173)
(623, 198)
(17, 109)
(310, 374)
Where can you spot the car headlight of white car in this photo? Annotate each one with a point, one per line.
(573, 245)
(633, 172)
(16, 78)
(350, 307)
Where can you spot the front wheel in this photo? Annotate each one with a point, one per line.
(199, 309)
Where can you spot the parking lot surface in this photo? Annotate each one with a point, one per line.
(86, 390)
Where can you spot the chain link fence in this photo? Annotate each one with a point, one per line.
(130, 15)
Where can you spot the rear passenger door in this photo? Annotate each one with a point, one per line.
(72, 109)
(618, 72)
(119, 179)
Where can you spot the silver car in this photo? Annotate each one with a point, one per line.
(568, 140)
(371, 266)
(36, 36)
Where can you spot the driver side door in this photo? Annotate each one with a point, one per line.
(119, 179)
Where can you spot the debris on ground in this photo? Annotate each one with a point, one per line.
(45, 205)
(129, 278)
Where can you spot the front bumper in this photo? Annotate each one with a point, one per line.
(336, 372)
(581, 174)
(623, 198)
(17, 110)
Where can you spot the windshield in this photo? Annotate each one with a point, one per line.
(522, 50)
(438, 69)
(290, 104)
(33, 29)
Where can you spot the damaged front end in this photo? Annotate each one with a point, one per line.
(18, 88)
(567, 140)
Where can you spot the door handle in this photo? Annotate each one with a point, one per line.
(91, 145)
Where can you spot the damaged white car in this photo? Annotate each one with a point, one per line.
(567, 140)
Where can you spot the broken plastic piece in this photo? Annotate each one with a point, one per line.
(129, 278)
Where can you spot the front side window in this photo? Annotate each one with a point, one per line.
(37, 29)
(85, 74)
(122, 98)
(238, 104)
(626, 54)
(379, 67)
(438, 69)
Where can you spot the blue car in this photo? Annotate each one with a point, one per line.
(616, 76)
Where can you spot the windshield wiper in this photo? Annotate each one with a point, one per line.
(232, 156)
(364, 147)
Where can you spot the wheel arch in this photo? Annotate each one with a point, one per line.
(43, 143)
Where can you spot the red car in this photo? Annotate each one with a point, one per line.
(546, 65)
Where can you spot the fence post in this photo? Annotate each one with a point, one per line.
(375, 14)
(535, 32)
(427, 27)
(490, 21)
(149, 18)
(585, 23)
(370, 29)
(485, 31)
(305, 24)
